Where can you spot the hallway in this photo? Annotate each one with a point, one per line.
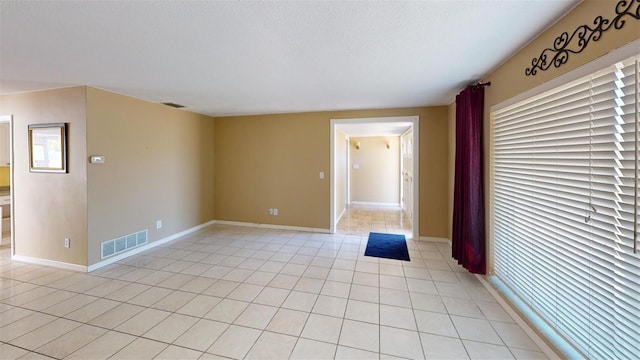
(362, 219)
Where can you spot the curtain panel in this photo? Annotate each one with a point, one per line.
(468, 235)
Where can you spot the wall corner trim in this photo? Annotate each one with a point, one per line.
(271, 226)
(52, 263)
(148, 246)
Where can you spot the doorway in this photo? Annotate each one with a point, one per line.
(404, 128)
(6, 181)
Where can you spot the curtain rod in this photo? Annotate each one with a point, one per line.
(479, 85)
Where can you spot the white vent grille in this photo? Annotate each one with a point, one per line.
(123, 243)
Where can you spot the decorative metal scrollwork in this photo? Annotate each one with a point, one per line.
(566, 44)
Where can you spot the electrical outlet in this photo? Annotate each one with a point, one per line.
(67, 242)
(158, 224)
(275, 212)
(270, 211)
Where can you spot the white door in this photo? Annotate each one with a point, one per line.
(406, 145)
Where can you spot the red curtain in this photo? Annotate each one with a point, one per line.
(468, 237)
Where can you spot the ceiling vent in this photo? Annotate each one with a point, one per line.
(177, 106)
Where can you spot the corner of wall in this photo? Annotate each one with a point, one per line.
(451, 134)
(50, 207)
(159, 167)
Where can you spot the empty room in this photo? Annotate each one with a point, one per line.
(320, 179)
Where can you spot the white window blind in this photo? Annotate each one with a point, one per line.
(565, 208)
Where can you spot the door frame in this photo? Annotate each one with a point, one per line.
(9, 119)
(347, 172)
(403, 201)
(415, 121)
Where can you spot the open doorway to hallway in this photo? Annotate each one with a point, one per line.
(374, 175)
(5, 181)
(361, 219)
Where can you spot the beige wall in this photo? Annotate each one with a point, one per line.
(159, 166)
(268, 161)
(377, 178)
(452, 162)
(341, 166)
(509, 79)
(272, 161)
(50, 207)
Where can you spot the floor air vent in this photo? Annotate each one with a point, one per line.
(124, 243)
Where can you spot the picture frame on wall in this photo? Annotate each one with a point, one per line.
(48, 148)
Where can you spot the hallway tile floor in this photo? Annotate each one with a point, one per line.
(362, 219)
(239, 292)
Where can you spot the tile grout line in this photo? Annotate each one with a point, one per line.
(228, 242)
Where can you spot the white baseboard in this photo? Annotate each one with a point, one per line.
(271, 226)
(53, 263)
(151, 245)
(148, 246)
(435, 239)
(368, 203)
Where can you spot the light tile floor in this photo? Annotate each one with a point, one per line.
(362, 219)
(236, 292)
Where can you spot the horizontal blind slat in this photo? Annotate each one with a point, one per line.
(564, 169)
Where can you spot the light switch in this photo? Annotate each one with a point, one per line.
(356, 166)
(321, 174)
(97, 159)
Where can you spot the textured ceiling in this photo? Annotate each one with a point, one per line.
(231, 58)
